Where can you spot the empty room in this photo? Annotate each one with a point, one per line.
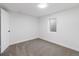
(39, 29)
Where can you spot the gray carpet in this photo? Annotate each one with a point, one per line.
(38, 47)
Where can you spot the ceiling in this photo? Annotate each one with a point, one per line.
(33, 10)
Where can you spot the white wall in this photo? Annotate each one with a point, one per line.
(67, 29)
(23, 27)
(4, 30)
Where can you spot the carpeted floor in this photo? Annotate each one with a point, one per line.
(38, 47)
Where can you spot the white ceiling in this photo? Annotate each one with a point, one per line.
(33, 10)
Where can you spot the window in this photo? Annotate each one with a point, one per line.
(52, 24)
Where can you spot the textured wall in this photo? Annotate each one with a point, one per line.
(23, 27)
(67, 28)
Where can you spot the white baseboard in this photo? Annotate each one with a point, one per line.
(23, 41)
(66, 46)
(2, 50)
(45, 40)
